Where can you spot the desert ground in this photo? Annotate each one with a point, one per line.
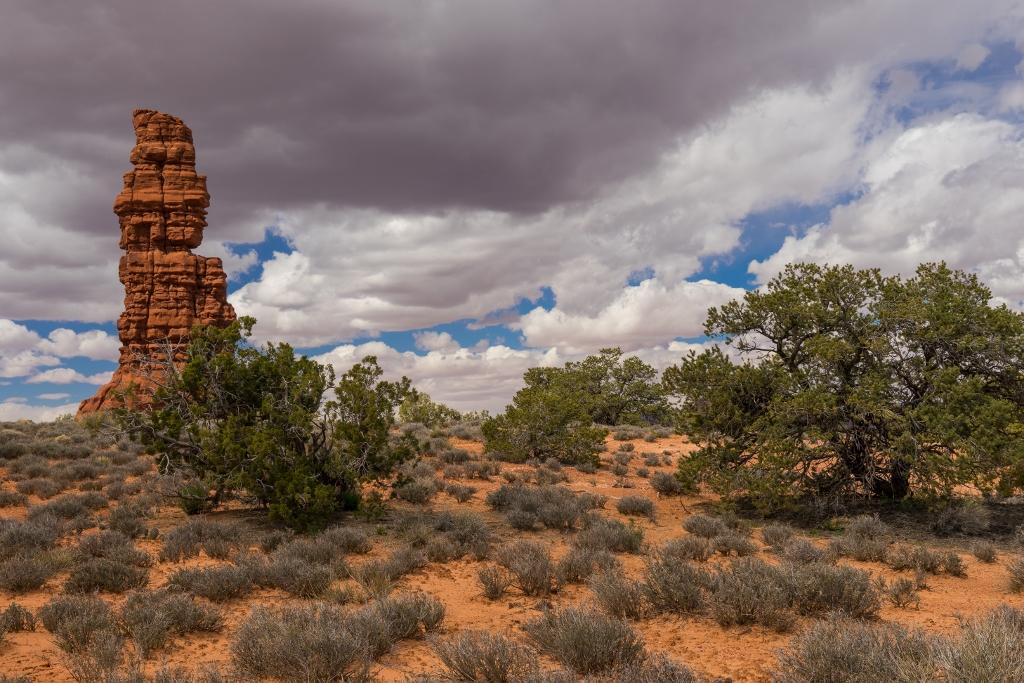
(59, 461)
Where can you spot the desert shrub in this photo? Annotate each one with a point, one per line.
(901, 557)
(822, 331)
(861, 548)
(418, 491)
(900, 592)
(840, 650)
(219, 583)
(12, 499)
(688, 548)
(704, 526)
(186, 540)
(530, 564)
(620, 471)
(988, 648)
(75, 620)
(460, 492)
(733, 543)
(114, 546)
(555, 507)
(653, 669)
(454, 456)
(348, 539)
(69, 506)
(580, 562)
(15, 619)
(751, 591)
(627, 433)
(243, 418)
(675, 586)
(585, 640)
(802, 551)
(622, 457)
(494, 581)
(636, 505)
(953, 565)
(151, 618)
(316, 550)
(617, 595)
(384, 622)
(480, 656)
(652, 459)
(601, 533)
(102, 574)
(378, 576)
(1016, 571)
(308, 643)
(546, 477)
(128, 519)
(776, 535)
(21, 574)
(961, 518)
(293, 575)
(817, 588)
(442, 549)
(28, 467)
(468, 531)
(985, 551)
(642, 472)
(481, 469)
(26, 538)
(42, 487)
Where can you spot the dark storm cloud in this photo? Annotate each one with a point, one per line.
(415, 105)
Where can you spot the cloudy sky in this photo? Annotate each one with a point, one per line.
(468, 188)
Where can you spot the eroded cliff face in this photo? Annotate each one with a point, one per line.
(168, 289)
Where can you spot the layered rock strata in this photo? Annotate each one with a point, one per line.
(168, 289)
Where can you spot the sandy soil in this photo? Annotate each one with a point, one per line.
(744, 654)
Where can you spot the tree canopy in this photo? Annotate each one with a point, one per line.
(849, 382)
(237, 418)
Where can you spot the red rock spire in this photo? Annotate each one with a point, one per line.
(168, 289)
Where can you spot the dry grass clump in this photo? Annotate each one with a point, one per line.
(303, 643)
(24, 573)
(733, 543)
(985, 551)
(1016, 570)
(12, 499)
(220, 583)
(586, 640)
(900, 592)
(530, 564)
(468, 532)
(102, 574)
(320, 642)
(640, 506)
(692, 548)
(705, 526)
(617, 594)
(216, 539)
(580, 562)
(674, 586)
(554, 507)
(479, 656)
(377, 577)
(115, 546)
(776, 535)
(494, 581)
(601, 533)
(151, 618)
(989, 649)
(77, 621)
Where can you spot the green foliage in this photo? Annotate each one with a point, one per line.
(618, 390)
(419, 407)
(548, 418)
(856, 383)
(253, 420)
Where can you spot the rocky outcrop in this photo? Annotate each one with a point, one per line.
(168, 289)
